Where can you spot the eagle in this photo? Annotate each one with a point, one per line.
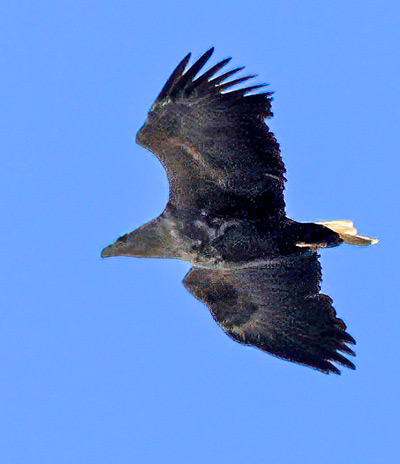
(257, 270)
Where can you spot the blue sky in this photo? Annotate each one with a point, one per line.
(114, 361)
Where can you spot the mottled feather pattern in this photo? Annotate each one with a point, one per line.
(238, 152)
(277, 308)
(256, 269)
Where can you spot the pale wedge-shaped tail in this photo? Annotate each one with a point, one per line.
(348, 232)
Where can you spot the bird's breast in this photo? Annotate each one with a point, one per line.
(228, 241)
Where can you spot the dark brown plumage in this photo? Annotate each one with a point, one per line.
(256, 269)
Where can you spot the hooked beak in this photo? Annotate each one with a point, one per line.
(111, 250)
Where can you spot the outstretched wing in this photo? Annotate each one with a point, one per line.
(218, 153)
(277, 308)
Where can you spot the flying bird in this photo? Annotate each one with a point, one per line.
(256, 269)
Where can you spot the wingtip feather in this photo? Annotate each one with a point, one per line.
(204, 78)
(176, 73)
(223, 77)
(190, 74)
(229, 84)
(184, 83)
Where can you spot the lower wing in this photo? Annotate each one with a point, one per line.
(277, 308)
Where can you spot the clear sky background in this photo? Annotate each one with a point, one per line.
(113, 361)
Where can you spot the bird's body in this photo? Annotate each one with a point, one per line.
(223, 243)
(256, 269)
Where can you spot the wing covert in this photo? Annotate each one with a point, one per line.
(277, 308)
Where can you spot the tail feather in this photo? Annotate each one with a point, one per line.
(348, 233)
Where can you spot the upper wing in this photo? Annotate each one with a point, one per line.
(217, 151)
(278, 309)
